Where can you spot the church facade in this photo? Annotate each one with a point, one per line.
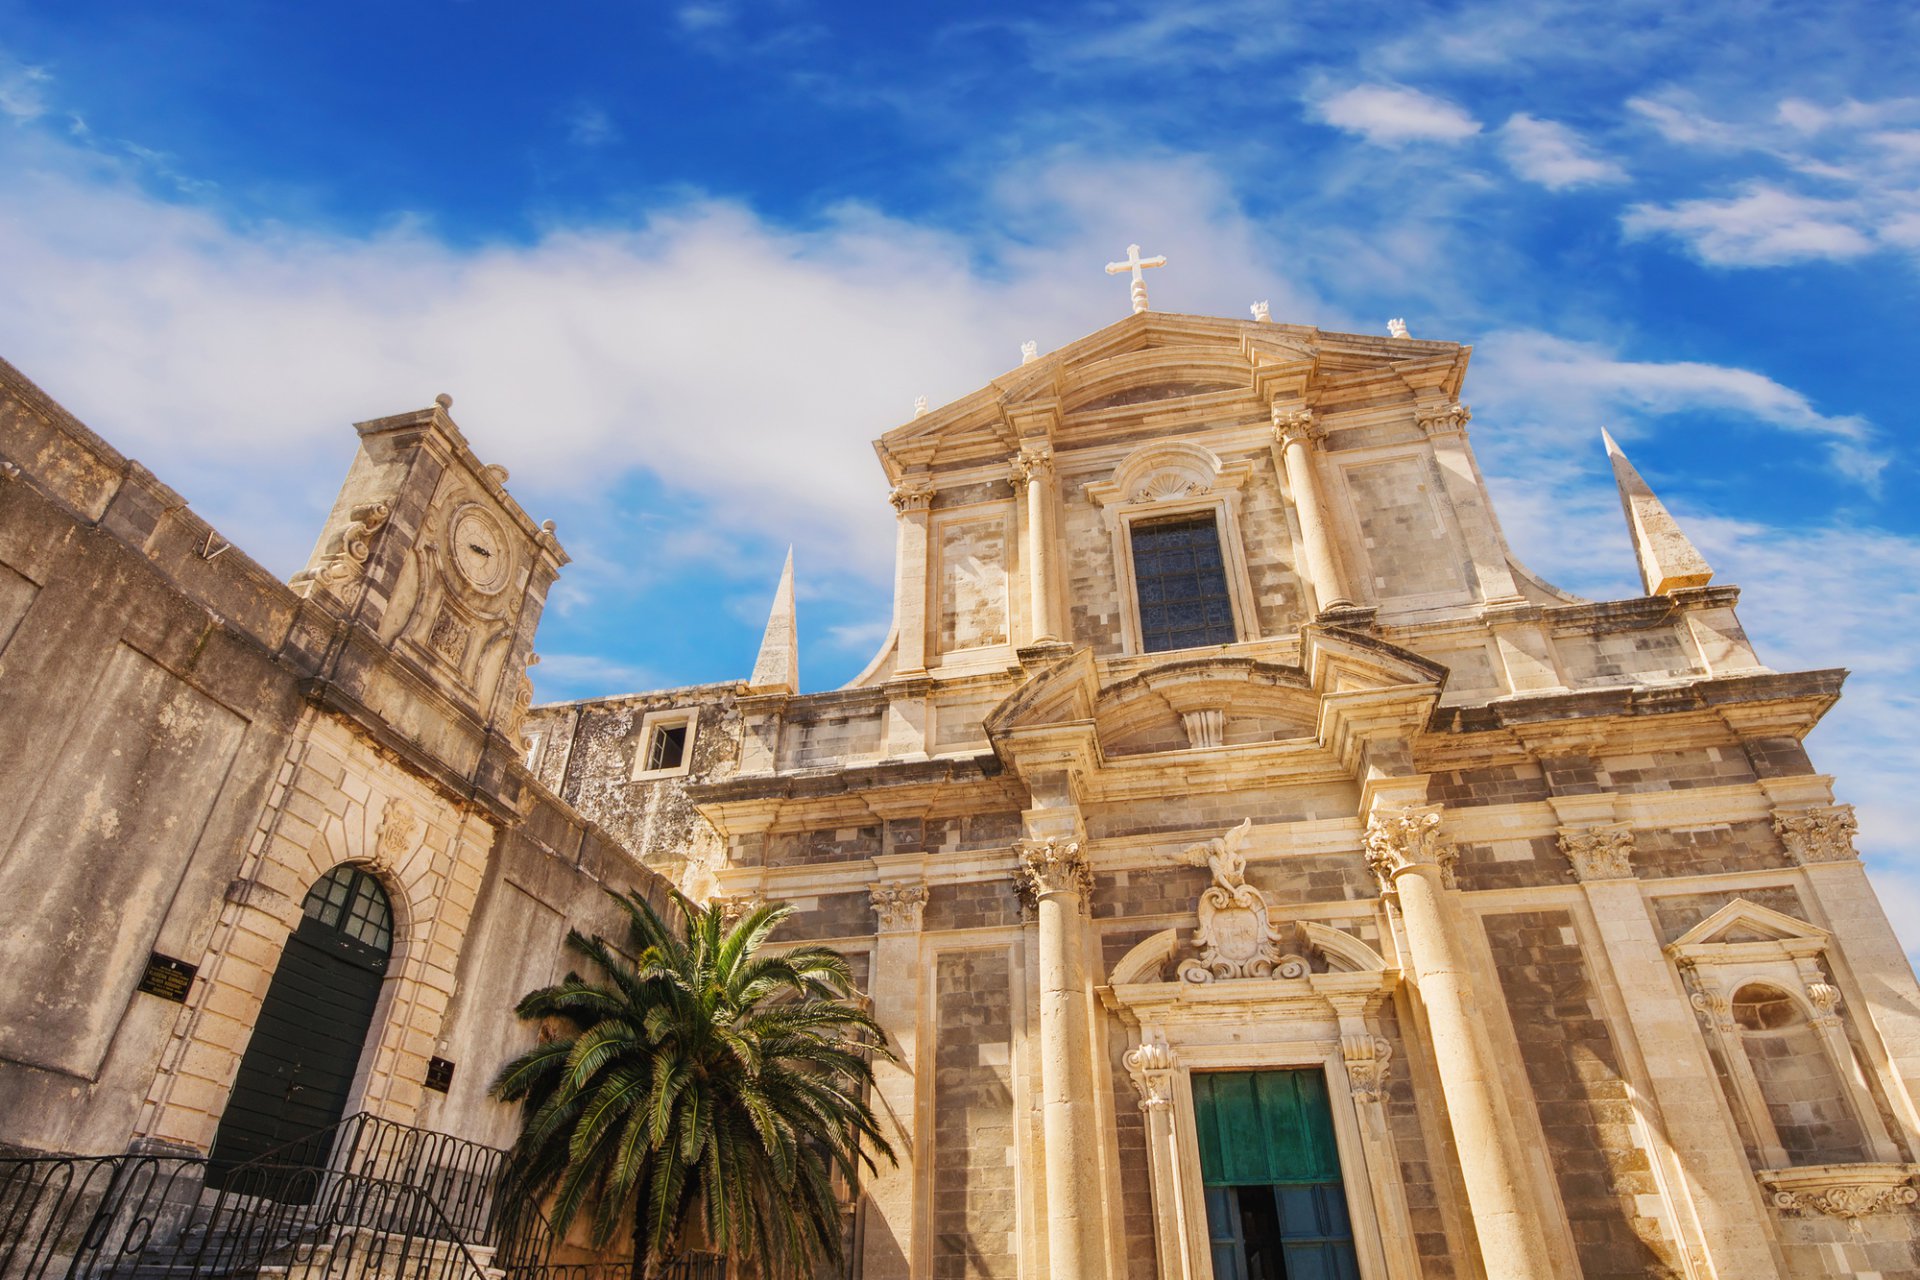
(1256, 869)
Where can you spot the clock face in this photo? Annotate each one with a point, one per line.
(479, 550)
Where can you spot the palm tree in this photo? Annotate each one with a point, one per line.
(703, 1083)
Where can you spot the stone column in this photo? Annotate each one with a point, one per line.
(1413, 862)
(1446, 427)
(1033, 468)
(1819, 837)
(1710, 1165)
(1296, 431)
(893, 980)
(911, 498)
(1150, 1067)
(1054, 876)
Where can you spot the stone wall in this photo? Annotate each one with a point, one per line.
(973, 1153)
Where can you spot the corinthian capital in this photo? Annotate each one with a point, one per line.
(899, 905)
(1817, 835)
(1294, 424)
(1411, 838)
(911, 495)
(1032, 461)
(1049, 866)
(1444, 419)
(1599, 853)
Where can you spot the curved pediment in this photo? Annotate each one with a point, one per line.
(1213, 702)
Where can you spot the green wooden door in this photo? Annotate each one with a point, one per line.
(1276, 1209)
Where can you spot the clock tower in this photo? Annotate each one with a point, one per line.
(426, 556)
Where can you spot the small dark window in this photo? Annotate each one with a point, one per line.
(1182, 583)
(668, 747)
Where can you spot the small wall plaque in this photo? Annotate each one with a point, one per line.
(167, 978)
(439, 1075)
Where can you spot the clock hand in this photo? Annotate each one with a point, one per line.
(474, 546)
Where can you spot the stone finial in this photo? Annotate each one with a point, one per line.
(1262, 312)
(1136, 264)
(1668, 561)
(1599, 853)
(1817, 835)
(444, 400)
(919, 406)
(777, 669)
(1397, 328)
(1029, 351)
(898, 904)
(1397, 842)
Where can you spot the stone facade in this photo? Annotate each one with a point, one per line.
(1546, 890)
(194, 744)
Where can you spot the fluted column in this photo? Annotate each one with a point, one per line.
(1414, 863)
(1053, 875)
(1296, 431)
(1033, 468)
(911, 498)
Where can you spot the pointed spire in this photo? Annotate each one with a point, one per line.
(777, 670)
(1667, 560)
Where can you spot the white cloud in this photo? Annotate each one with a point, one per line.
(1553, 155)
(22, 90)
(1763, 227)
(1571, 389)
(1393, 115)
(589, 126)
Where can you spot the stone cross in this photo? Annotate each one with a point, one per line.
(1136, 264)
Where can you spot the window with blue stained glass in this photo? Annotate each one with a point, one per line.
(1182, 584)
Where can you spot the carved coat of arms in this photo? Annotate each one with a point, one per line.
(1235, 937)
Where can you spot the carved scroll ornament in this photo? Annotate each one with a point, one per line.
(345, 560)
(1818, 835)
(1598, 853)
(898, 904)
(1236, 938)
(1049, 866)
(1397, 842)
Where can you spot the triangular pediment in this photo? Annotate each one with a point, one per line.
(1741, 921)
(1154, 360)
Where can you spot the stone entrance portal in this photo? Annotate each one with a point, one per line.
(300, 1064)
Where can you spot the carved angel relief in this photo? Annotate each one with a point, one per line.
(1236, 938)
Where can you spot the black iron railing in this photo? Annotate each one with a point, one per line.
(366, 1199)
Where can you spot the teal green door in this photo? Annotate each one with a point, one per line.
(1275, 1206)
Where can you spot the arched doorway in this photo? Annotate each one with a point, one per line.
(306, 1043)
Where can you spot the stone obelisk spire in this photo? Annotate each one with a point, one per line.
(1668, 561)
(777, 670)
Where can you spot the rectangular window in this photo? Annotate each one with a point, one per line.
(1182, 584)
(663, 747)
(1275, 1204)
(668, 748)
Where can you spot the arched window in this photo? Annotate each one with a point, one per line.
(350, 900)
(1813, 1117)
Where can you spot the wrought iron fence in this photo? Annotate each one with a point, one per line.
(367, 1199)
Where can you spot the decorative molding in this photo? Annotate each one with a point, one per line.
(1842, 1190)
(1150, 1068)
(1205, 728)
(735, 906)
(1599, 853)
(1369, 1062)
(911, 495)
(1165, 471)
(1236, 938)
(395, 838)
(1397, 842)
(1817, 835)
(1050, 866)
(899, 904)
(1444, 420)
(1295, 424)
(1032, 462)
(340, 569)
(522, 703)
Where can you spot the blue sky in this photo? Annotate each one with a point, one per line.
(679, 264)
